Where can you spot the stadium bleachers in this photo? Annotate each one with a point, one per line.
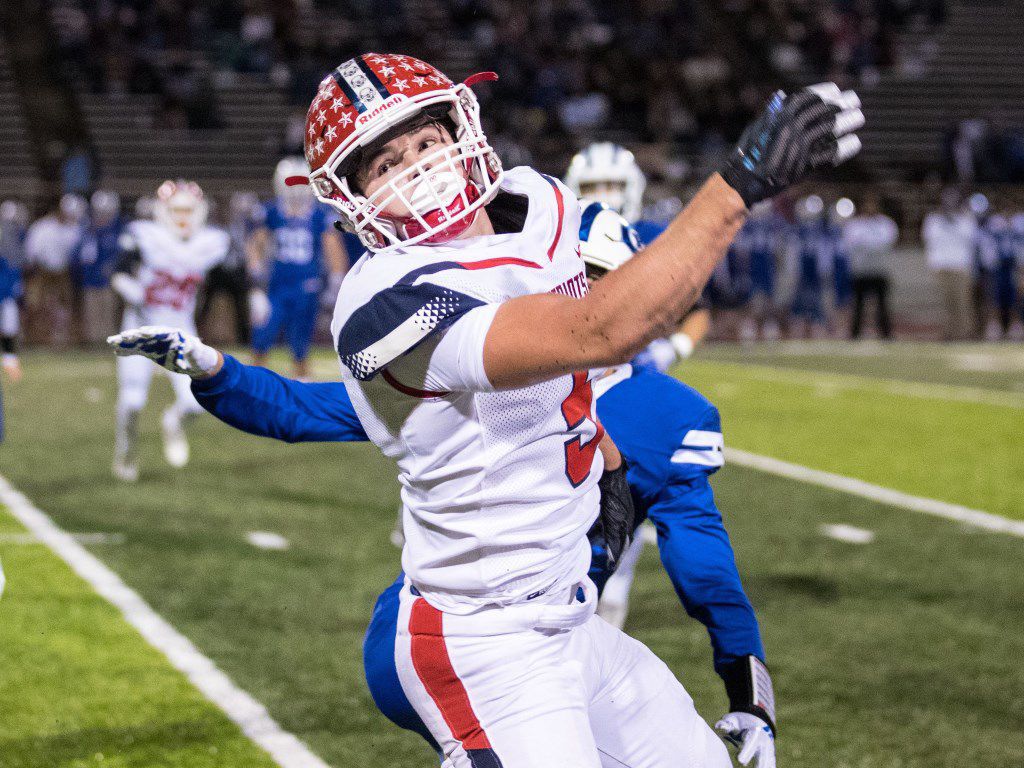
(18, 176)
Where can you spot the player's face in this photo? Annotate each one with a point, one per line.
(397, 156)
(611, 193)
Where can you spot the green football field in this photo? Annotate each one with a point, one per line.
(902, 652)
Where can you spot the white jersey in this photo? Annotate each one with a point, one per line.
(171, 271)
(499, 489)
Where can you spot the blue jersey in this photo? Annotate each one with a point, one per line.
(1000, 243)
(757, 244)
(10, 280)
(93, 259)
(813, 261)
(648, 230)
(297, 243)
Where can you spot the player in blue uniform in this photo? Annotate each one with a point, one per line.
(607, 173)
(809, 259)
(671, 437)
(298, 234)
(758, 246)
(842, 279)
(999, 247)
(92, 266)
(10, 293)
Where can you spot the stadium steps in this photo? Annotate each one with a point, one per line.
(978, 71)
(137, 154)
(18, 174)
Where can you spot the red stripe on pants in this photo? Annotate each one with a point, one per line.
(434, 668)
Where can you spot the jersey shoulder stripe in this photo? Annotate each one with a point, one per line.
(394, 321)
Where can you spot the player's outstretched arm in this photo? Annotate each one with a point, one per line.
(248, 397)
(534, 338)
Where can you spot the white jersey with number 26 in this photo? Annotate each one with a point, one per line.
(499, 488)
(171, 271)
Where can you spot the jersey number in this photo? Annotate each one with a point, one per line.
(169, 291)
(579, 456)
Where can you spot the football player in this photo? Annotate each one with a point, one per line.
(466, 335)
(607, 173)
(159, 270)
(809, 264)
(296, 236)
(11, 291)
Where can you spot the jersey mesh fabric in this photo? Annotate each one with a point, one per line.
(490, 514)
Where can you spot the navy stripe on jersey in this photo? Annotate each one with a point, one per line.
(372, 77)
(411, 312)
(347, 89)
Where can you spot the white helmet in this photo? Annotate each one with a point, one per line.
(14, 212)
(181, 207)
(293, 196)
(73, 207)
(608, 164)
(607, 241)
(105, 205)
(809, 208)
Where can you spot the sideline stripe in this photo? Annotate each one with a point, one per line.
(881, 494)
(252, 717)
(899, 387)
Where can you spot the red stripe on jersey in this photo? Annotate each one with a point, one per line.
(500, 262)
(561, 214)
(423, 394)
(434, 668)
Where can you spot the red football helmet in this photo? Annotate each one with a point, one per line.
(369, 96)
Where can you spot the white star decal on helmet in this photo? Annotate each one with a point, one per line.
(345, 119)
(321, 116)
(419, 80)
(318, 147)
(336, 104)
(400, 84)
(331, 132)
(407, 66)
(436, 79)
(387, 71)
(378, 60)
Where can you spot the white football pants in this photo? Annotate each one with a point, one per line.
(134, 374)
(546, 686)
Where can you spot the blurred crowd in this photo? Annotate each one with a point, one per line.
(571, 70)
(798, 269)
(843, 39)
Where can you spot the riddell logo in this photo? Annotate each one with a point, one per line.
(393, 101)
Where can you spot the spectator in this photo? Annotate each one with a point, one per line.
(92, 263)
(48, 296)
(869, 237)
(13, 221)
(949, 236)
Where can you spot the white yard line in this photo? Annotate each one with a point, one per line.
(252, 717)
(267, 540)
(918, 389)
(879, 493)
(848, 534)
(81, 538)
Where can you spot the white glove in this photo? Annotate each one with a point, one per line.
(751, 736)
(259, 307)
(168, 347)
(682, 344)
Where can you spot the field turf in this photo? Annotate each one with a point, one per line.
(901, 653)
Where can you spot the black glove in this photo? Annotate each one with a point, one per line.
(615, 525)
(796, 134)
